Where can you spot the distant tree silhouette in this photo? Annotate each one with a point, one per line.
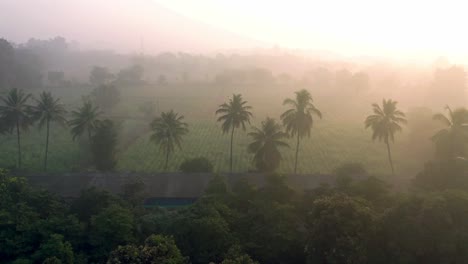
(48, 109)
(234, 114)
(451, 140)
(266, 143)
(15, 113)
(104, 144)
(168, 130)
(298, 120)
(385, 122)
(84, 120)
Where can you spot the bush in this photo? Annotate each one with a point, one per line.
(196, 165)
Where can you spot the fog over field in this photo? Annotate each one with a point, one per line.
(177, 131)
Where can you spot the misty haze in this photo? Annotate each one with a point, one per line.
(233, 132)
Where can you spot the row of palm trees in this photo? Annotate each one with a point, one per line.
(17, 114)
(298, 121)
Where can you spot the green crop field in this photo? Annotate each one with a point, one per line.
(338, 138)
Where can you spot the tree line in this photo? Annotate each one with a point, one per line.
(348, 221)
(18, 115)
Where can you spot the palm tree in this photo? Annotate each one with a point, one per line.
(168, 130)
(234, 115)
(16, 113)
(298, 120)
(266, 143)
(48, 109)
(451, 140)
(385, 122)
(84, 120)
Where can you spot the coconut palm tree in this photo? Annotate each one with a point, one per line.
(84, 120)
(385, 122)
(266, 143)
(15, 113)
(298, 119)
(47, 110)
(233, 114)
(168, 130)
(451, 140)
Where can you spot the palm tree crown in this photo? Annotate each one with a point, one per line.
(48, 110)
(451, 140)
(385, 122)
(85, 119)
(15, 109)
(266, 143)
(298, 119)
(168, 130)
(234, 114)
(15, 112)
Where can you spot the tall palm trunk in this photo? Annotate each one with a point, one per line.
(167, 160)
(89, 135)
(47, 145)
(232, 139)
(390, 157)
(19, 143)
(297, 154)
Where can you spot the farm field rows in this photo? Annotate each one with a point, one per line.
(327, 148)
(335, 140)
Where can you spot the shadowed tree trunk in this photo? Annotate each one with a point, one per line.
(390, 156)
(47, 145)
(19, 143)
(232, 139)
(167, 160)
(297, 154)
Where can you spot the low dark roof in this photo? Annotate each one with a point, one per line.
(161, 184)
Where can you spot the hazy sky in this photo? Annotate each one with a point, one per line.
(397, 28)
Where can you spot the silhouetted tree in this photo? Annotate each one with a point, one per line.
(298, 120)
(168, 130)
(48, 109)
(84, 120)
(234, 115)
(15, 113)
(385, 122)
(100, 76)
(266, 143)
(451, 140)
(104, 144)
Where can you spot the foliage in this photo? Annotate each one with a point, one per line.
(196, 165)
(168, 130)
(298, 119)
(84, 120)
(266, 141)
(109, 228)
(15, 113)
(385, 122)
(425, 229)
(236, 256)
(104, 144)
(47, 110)
(234, 114)
(99, 76)
(337, 230)
(451, 140)
(55, 248)
(157, 249)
